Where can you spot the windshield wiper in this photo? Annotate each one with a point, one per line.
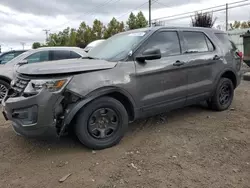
(88, 57)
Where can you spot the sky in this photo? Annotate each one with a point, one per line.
(25, 20)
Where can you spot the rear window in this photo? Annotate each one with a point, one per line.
(225, 40)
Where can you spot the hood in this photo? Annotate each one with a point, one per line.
(65, 66)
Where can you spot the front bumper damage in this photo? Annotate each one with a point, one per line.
(34, 116)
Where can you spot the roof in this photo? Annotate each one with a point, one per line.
(13, 51)
(58, 47)
(171, 27)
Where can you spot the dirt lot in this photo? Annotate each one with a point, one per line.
(191, 147)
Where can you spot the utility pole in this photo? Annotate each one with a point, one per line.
(46, 33)
(149, 9)
(226, 17)
(22, 43)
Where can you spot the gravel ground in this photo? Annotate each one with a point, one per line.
(190, 147)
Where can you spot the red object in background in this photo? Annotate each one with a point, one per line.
(240, 54)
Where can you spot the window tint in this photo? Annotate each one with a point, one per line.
(195, 42)
(38, 57)
(18, 53)
(167, 42)
(224, 39)
(60, 54)
(7, 57)
(74, 55)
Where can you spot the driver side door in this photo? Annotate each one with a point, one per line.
(162, 83)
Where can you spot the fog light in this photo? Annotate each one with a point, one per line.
(26, 115)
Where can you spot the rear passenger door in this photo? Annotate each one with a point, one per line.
(201, 60)
(63, 54)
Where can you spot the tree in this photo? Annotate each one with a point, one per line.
(132, 21)
(141, 21)
(203, 20)
(36, 45)
(239, 25)
(113, 28)
(98, 29)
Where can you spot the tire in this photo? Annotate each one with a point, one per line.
(221, 101)
(89, 118)
(3, 85)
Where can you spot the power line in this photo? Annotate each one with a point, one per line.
(160, 3)
(92, 11)
(131, 10)
(218, 10)
(198, 10)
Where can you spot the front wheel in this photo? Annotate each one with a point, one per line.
(4, 86)
(223, 96)
(102, 123)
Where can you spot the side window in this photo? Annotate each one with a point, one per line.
(209, 44)
(18, 53)
(38, 57)
(74, 55)
(224, 39)
(195, 42)
(7, 57)
(167, 42)
(60, 54)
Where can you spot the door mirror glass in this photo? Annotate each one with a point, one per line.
(149, 54)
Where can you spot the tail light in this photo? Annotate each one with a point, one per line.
(240, 54)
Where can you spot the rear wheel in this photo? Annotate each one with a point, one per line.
(223, 96)
(102, 123)
(4, 86)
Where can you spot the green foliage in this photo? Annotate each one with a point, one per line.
(138, 21)
(141, 21)
(239, 25)
(36, 45)
(203, 20)
(113, 28)
(85, 34)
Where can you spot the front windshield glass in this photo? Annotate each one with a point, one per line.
(117, 47)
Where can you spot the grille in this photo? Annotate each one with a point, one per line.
(19, 85)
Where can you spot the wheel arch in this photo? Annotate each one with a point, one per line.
(6, 79)
(230, 74)
(119, 94)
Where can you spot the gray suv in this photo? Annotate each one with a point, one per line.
(132, 75)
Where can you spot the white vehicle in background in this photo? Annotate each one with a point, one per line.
(7, 71)
(93, 44)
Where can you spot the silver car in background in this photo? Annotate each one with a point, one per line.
(7, 70)
(93, 44)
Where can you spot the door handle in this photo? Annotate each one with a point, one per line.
(178, 63)
(216, 57)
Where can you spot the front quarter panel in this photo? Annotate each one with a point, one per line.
(121, 76)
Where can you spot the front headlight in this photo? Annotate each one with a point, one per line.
(51, 85)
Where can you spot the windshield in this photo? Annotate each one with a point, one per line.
(94, 43)
(116, 47)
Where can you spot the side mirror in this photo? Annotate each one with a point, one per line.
(149, 54)
(22, 62)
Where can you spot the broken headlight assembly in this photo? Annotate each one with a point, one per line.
(51, 85)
